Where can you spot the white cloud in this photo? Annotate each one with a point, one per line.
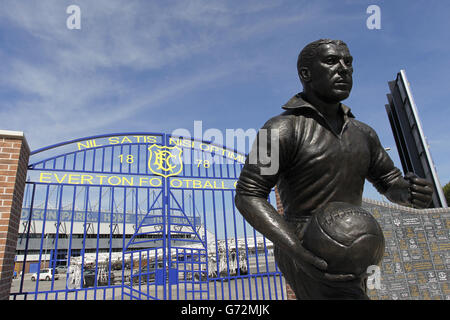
(74, 82)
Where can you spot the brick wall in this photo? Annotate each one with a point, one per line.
(14, 154)
(289, 292)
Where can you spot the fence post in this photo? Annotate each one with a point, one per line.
(14, 155)
(289, 292)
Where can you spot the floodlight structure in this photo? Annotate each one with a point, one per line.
(408, 133)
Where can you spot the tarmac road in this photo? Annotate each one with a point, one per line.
(248, 287)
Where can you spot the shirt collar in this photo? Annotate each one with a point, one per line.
(297, 102)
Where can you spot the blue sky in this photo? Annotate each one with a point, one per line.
(156, 66)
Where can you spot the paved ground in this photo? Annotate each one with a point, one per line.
(246, 288)
(249, 287)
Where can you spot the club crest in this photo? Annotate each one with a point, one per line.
(165, 161)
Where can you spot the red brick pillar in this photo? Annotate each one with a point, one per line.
(14, 154)
(290, 293)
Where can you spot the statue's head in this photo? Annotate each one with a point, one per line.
(325, 70)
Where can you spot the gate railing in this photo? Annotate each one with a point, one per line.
(103, 219)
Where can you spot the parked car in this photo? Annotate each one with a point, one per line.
(61, 269)
(102, 277)
(45, 274)
(89, 278)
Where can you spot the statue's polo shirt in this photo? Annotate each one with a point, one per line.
(317, 165)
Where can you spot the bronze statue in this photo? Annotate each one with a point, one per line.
(323, 155)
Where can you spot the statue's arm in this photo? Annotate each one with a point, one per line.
(252, 191)
(264, 218)
(388, 180)
(256, 182)
(411, 190)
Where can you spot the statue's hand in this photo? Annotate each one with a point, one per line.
(421, 191)
(316, 267)
(339, 276)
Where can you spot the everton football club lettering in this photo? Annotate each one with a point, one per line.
(163, 162)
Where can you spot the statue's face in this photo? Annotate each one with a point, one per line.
(331, 73)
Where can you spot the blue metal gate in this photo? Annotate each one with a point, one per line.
(139, 216)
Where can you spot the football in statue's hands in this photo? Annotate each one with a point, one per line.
(347, 237)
